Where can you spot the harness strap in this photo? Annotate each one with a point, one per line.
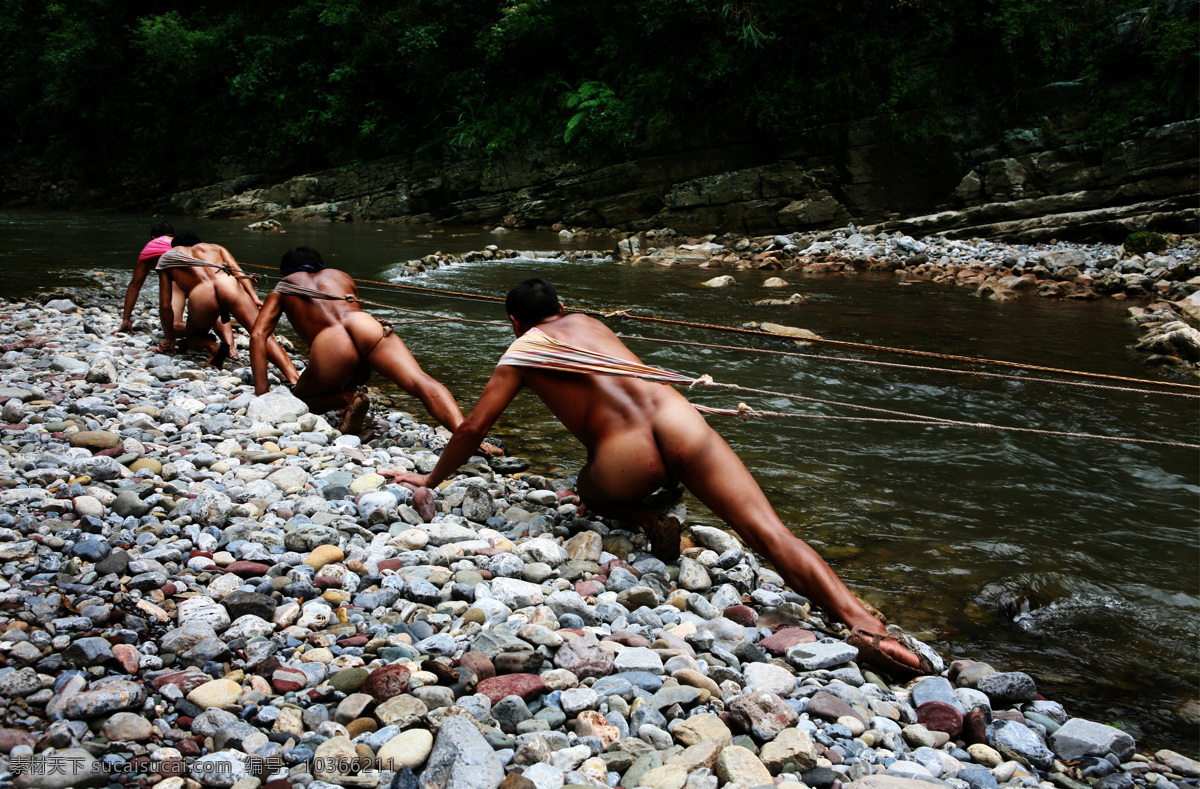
(175, 259)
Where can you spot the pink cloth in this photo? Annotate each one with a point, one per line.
(155, 248)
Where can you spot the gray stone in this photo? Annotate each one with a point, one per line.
(1079, 737)
(275, 407)
(1007, 688)
(935, 689)
(1017, 741)
(461, 759)
(821, 654)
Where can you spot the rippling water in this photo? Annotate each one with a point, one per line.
(1074, 560)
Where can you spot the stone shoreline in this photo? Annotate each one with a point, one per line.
(201, 588)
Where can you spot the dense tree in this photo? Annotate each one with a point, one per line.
(308, 83)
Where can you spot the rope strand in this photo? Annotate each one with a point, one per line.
(747, 413)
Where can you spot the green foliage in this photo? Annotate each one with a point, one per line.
(313, 83)
(598, 113)
(1144, 241)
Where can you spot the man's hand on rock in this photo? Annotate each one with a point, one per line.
(167, 346)
(125, 326)
(406, 478)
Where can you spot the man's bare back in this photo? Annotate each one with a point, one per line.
(615, 414)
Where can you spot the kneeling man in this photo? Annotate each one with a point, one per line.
(642, 436)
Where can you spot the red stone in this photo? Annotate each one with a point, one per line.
(780, 642)
(127, 657)
(111, 452)
(184, 722)
(11, 738)
(172, 768)
(188, 747)
(288, 680)
(607, 568)
(354, 641)
(186, 681)
(248, 569)
(625, 638)
(588, 588)
(325, 582)
(940, 716)
(390, 564)
(424, 504)
(385, 682)
(498, 688)
(825, 705)
(479, 664)
(485, 574)
(744, 615)
(974, 728)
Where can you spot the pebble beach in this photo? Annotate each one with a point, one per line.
(204, 588)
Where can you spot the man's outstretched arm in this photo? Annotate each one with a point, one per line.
(501, 388)
(140, 272)
(260, 335)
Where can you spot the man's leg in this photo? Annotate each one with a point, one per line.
(203, 309)
(392, 359)
(178, 300)
(717, 476)
(239, 304)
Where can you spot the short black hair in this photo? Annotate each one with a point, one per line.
(301, 259)
(162, 229)
(532, 301)
(186, 239)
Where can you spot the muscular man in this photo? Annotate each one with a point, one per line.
(642, 436)
(161, 241)
(215, 290)
(345, 344)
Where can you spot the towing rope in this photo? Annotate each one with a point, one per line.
(625, 313)
(746, 413)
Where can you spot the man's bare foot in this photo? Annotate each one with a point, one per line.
(356, 414)
(894, 651)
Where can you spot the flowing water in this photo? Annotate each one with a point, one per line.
(1074, 560)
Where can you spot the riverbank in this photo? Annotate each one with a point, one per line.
(1163, 279)
(198, 582)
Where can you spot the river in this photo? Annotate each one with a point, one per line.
(1076, 561)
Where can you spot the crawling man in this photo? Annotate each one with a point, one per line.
(640, 437)
(215, 290)
(346, 344)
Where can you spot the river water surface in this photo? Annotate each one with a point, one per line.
(1076, 561)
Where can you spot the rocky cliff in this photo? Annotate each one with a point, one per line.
(967, 179)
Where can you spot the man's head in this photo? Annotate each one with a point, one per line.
(301, 259)
(532, 302)
(162, 229)
(186, 239)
